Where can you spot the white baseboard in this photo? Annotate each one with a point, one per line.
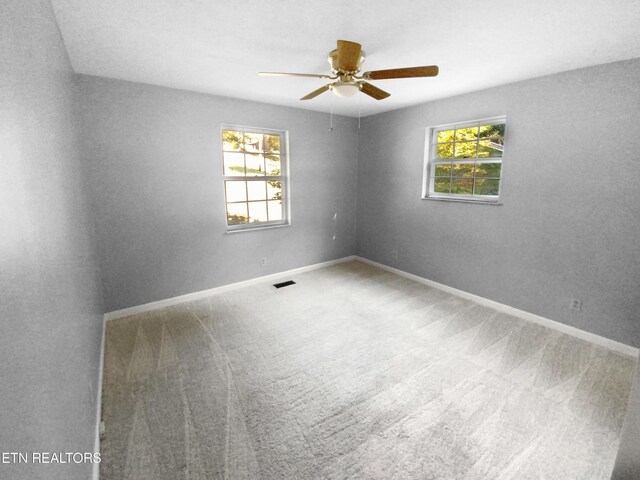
(125, 312)
(545, 322)
(96, 447)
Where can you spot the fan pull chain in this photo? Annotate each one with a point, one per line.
(331, 118)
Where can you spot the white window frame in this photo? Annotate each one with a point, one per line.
(431, 160)
(283, 178)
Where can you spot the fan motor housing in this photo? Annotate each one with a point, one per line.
(333, 61)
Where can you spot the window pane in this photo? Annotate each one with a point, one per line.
(487, 186)
(236, 191)
(489, 148)
(233, 163)
(465, 150)
(272, 143)
(443, 170)
(275, 210)
(466, 134)
(273, 165)
(462, 169)
(274, 190)
(255, 164)
(445, 136)
(253, 142)
(462, 185)
(237, 213)
(488, 169)
(231, 141)
(445, 151)
(257, 212)
(496, 131)
(441, 185)
(257, 190)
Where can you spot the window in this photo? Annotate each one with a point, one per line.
(464, 161)
(255, 177)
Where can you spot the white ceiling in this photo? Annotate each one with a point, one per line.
(218, 47)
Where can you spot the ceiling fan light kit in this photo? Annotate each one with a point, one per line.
(346, 62)
(342, 89)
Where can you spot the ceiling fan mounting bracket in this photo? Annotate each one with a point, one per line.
(333, 62)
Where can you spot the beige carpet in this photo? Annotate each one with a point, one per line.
(355, 373)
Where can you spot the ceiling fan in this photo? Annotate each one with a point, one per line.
(346, 61)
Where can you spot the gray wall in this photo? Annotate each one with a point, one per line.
(569, 226)
(156, 179)
(50, 309)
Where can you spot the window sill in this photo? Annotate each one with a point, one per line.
(463, 200)
(253, 229)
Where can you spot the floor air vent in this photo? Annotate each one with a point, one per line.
(284, 284)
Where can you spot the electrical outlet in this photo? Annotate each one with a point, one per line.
(576, 305)
(263, 262)
(394, 254)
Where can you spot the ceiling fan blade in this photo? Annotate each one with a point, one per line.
(348, 55)
(285, 74)
(372, 91)
(315, 93)
(409, 72)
